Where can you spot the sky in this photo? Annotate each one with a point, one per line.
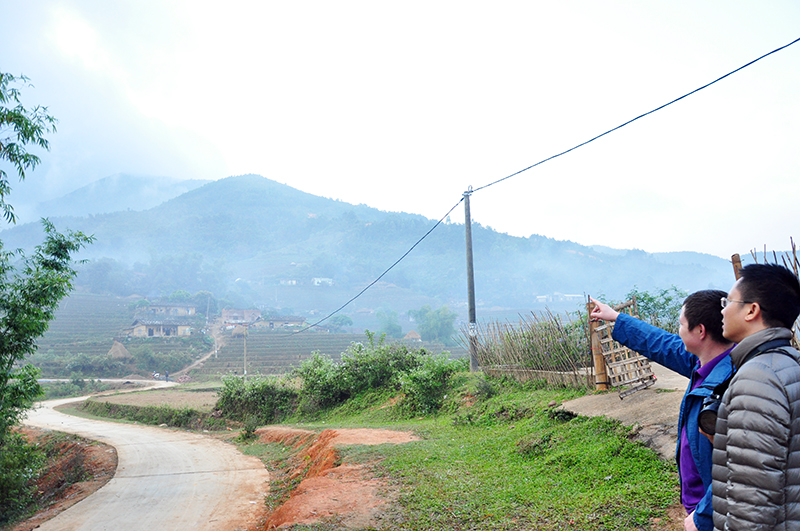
(403, 106)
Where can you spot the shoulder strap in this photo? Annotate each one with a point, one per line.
(775, 344)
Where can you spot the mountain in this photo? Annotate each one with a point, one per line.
(257, 241)
(117, 192)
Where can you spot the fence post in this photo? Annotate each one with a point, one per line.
(600, 370)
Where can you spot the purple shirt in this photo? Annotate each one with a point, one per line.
(692, 490)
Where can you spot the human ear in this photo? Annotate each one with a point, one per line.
(753, 312)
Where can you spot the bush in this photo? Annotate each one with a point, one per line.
(425, 387)
(268, 399)
(19, 465)
(376, 366)
(321, 383)
(155, 415)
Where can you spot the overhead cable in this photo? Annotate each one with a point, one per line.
(640, 116)
(340, 308)
(537, 164)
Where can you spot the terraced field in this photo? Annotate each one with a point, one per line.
(276, 352)
(85, 327)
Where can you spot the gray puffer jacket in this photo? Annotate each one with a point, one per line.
(756, 473)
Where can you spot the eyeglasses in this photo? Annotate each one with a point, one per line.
(725, 301)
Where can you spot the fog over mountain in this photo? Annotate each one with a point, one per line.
(258, 242)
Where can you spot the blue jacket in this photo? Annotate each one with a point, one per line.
(668, 350)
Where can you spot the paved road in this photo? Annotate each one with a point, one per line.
(165, 479)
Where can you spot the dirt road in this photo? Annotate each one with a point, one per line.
(166, 479)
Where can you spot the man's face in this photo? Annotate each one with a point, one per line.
(691, 338)
(733, 316)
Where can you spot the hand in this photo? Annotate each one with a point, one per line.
(688, 523)
(602, 311)
(709, 437)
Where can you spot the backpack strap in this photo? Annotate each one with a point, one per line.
(775, 344)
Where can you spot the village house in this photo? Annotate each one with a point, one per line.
(279, 322)
(172, 309)
(159, 328)
(235, 316)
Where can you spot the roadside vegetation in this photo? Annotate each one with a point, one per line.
(494, 453)
(497, 454)
(78, 386)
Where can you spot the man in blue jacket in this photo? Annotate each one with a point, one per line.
(702, 354)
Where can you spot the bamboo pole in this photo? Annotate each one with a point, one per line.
(601, 378)
(737, 266)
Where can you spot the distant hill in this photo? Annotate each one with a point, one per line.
(115, 193)
(257, 241)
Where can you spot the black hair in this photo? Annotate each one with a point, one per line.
(776, 289)
(703, 307)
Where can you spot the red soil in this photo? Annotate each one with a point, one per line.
(345, 492)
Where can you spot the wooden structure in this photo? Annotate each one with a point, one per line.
(615, 364)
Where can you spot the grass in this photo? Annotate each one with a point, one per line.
(506, 461)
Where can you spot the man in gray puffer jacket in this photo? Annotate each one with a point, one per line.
(756, 472)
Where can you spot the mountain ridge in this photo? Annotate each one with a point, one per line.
(257, 239)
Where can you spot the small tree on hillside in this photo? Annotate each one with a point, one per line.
(435, 325)
(389, 322)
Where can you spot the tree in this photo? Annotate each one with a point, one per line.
(19, 127)
(662, 308)
(339, 322)
(435, 325)
(389, 323)
(30, 287)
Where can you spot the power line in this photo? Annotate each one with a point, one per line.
(537, 164)
(340, 308)
(640, 116)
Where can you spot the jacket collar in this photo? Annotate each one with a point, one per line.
(748, 344)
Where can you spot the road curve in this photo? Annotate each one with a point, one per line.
(165, 479)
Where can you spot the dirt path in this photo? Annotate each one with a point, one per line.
(165, 479)
(346, 492)
(219, 342)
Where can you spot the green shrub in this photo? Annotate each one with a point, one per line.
(250, 426)
(19, 465)
(156, 415)
(269, 399)
(322, 385)
(425, 387)
(371, 366)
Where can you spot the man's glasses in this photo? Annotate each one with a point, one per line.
(725, 301)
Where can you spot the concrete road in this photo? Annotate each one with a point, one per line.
(165, 479)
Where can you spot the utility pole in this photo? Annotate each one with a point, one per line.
(245, 353)
(473, 326)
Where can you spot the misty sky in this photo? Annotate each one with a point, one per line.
(403, 105)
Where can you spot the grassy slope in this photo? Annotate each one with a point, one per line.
(508, 462)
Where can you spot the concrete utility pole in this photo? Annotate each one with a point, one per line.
(473, 326)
